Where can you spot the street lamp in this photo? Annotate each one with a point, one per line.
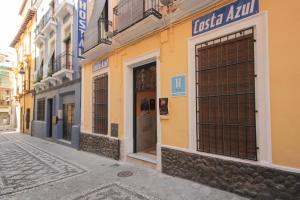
(22, 73)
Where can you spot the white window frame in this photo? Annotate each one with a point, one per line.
(262, 91)
(94, 75)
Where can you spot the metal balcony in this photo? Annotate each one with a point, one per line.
(50, 71)
(39, 36)
(63, 67)
(135, 18)
(98, 39)
(49, 22)
(37, 81)
(64, 8)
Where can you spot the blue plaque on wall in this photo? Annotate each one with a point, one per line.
(178, 86)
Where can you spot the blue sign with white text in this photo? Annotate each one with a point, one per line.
(225, 15)
(178, 86)
(82, 21)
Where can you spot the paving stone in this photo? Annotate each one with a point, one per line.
(113, 192)
(23, 166)
(36, 169)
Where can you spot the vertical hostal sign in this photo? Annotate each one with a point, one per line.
(82, 21)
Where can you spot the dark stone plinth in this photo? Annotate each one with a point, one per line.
(247, 180)
(101, 145)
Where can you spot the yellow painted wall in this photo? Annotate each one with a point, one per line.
(28, 105)
(172, 44)
(172, 62)
(284, 42)
(86, 124)
(24, 47)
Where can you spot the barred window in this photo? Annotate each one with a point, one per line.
(100, 107)
(41, 110)
(225, 92)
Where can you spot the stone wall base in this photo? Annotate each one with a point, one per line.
(101, 145)
(247, 180)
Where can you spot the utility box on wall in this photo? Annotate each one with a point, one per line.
(114, 130)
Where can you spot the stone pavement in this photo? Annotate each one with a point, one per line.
(31, 168)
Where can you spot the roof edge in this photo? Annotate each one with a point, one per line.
(28, 17)
(22, 6)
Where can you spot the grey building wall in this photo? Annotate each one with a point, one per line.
(58, 93)
(41, 128)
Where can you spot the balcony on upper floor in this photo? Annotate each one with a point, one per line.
(49, 22)
(64, 8)
(98, 39)
(49, 79)
(36, 4)
(63, 67)
(37, 80)
(39, 36)
(135, 18)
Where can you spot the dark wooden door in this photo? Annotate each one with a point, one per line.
(27, 118)
(22, 119)
(50, 115)
(68, 120)
(145, 109)
(226, 97)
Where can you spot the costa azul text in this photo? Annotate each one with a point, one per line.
(225, 15)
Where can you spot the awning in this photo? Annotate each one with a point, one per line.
(91, 33)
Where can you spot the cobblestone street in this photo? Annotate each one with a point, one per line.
(31, 168)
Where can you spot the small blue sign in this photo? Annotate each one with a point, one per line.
(233, 12)
(82, 23)
(178, 86)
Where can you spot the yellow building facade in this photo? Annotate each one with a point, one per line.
(23, 44)
(260, 130)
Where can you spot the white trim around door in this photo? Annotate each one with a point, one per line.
(129, 65)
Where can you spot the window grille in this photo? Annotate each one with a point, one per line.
(225, 96)
(100, 107)
(41, 110)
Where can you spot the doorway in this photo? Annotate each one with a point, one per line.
(50, 114)
(21, 121)
(27, 118)
(144, 109)
(68, 120)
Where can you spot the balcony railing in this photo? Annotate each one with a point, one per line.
(48, 16)
(40, 26)
(26, 86)
(63, 61)
(51, 67)
(38, 76)
(98, 35)
(44, 21)
(130, 12)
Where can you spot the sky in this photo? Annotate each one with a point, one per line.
(10, 22)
